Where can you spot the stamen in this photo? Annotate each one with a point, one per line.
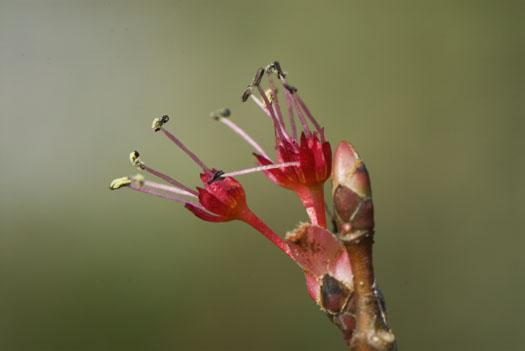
(260, 168)
(258, 77)
(158, 125)
(293, 103)
(246, 94)
(280, 72)
(118, 183)
(159, 122)
(260, 104)
(136, 161)
(275, 66)
(275, 100)
(279, 128)
(167, 188)
(291, 115)
(147, 189)
(239, 131)
(289, 87)
(310, 115)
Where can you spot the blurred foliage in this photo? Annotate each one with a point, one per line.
(430, 92)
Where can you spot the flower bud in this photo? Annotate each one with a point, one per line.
(351, 193)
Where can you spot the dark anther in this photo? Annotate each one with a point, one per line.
(246, 94)
(258, 77)
(223, 112)
(164, 119)
(278, 68)
(216, 176)
(290, 88)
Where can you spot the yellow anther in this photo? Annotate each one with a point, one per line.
(134, 159)
(159, 122)
(119, 183)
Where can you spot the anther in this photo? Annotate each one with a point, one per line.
(222, 113)
(159, 122)
(134, 159)
(290, 88)
(270, 68)
(275, 66)
(218, 175)
(279, 70)
(258, 77)
(246, 94)
(118, 183)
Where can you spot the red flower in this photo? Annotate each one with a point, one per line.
(309, 155)
(223, 199)
(303, 163)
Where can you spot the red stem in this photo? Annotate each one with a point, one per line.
(250, 218)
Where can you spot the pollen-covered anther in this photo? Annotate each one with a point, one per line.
(134, 159)
(118, 183)
(157, 123)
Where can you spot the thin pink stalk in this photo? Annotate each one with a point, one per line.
(276, 100)
(309, 114)
(260, 168)
(290, 114)
(169, 180)
(185, 149)
(278, 126)
(159, 193)
(245, 136)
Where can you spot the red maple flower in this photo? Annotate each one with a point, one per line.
(303, 163)
(308, 154)
(221, 199)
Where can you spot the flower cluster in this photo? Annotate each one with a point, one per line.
(338, 269)
(303, 163)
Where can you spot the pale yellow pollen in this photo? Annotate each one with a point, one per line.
(119, 183)
(134, 159)
(157, 123)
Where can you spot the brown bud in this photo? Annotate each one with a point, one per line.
(334, 294)
(351, 192)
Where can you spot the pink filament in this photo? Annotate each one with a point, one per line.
(185, 149)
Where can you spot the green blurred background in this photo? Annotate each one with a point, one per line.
(431, 93)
